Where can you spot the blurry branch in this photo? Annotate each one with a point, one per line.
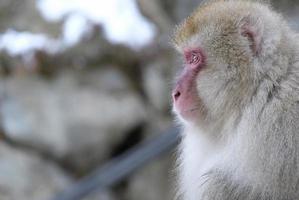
(6, 63)
(154, 12)
(15, 14)
(121, 167)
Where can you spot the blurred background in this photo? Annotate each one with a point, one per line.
(82, 82)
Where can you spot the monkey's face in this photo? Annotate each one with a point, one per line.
(185, 94)
(218, 75)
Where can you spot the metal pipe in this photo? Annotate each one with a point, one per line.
(122, 166)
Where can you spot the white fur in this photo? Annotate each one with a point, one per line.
(199, 154)
(248, 146)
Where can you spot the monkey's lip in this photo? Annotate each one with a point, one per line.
(190, 110)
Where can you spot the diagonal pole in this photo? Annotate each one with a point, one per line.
(122, 166)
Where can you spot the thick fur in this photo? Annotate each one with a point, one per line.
(247, 146)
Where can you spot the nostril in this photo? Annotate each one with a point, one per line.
(176, 95)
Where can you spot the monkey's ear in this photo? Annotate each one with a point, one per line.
(252, 31)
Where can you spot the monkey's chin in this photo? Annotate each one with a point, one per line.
(187, 115)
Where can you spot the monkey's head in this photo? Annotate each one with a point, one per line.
(227, 48)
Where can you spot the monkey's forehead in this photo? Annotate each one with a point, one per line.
(217, 11)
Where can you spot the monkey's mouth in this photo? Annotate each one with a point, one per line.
(192, 109)
(189, 114)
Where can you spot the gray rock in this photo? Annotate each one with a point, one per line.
(25, 176)
(23, 16)
(76, 116)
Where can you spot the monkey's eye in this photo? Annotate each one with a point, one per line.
(193, 57)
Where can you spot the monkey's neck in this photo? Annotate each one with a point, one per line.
(200, 146)
(198, 155)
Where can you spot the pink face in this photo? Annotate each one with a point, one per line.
(185, 95)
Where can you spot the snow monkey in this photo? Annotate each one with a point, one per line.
(237, 99)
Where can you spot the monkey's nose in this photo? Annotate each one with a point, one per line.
(176, 94)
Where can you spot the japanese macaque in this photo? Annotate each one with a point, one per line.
(237, 99)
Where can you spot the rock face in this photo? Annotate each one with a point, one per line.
(25, 176)
(73, 116)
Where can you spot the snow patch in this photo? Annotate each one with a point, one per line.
(121, 19)
(16, 43)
